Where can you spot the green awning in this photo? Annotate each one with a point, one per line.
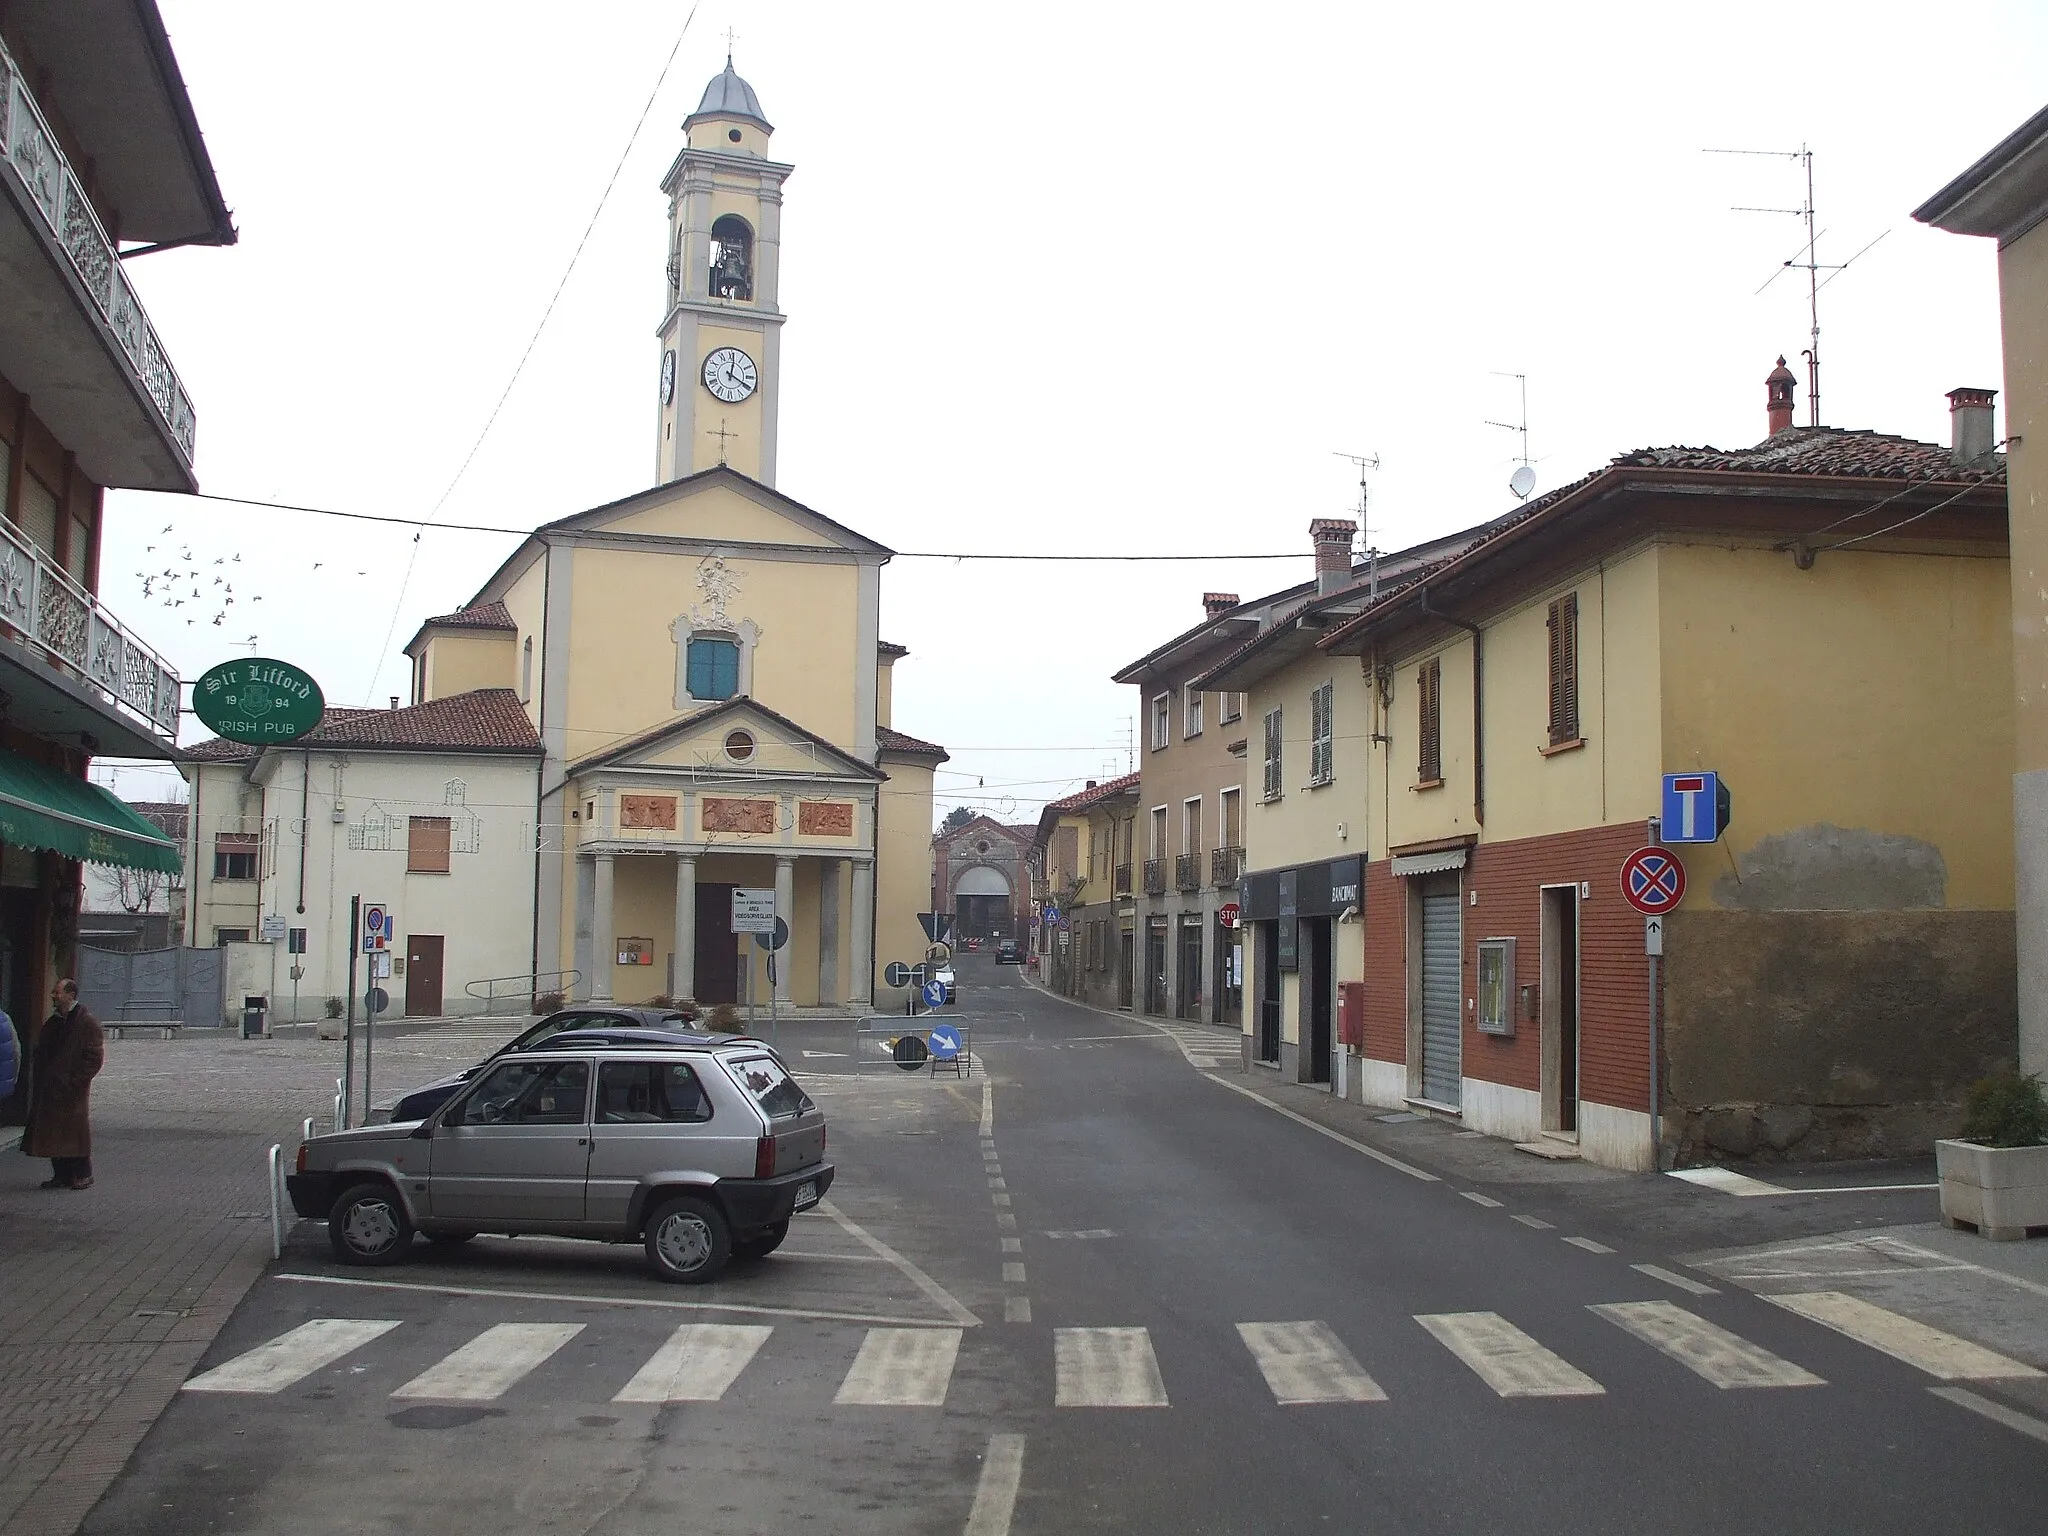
(42, 808)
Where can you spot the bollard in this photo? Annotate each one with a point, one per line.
(276, 1211)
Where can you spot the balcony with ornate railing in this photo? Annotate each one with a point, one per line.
(65, 625)
(1187, 872)
(29, 147)
(1225, 866)
(1123, 880)
(1155, 877)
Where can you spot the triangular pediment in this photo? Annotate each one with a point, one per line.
(721, 506)
(703, 743)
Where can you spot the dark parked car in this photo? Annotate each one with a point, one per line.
(1008, 952)
(603, 1018)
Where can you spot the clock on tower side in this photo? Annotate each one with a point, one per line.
(721, 347)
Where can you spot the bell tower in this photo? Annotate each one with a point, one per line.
(721, 332)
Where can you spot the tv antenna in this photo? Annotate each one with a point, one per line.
(1523, 480)
(1365, 462)
(1812, 266)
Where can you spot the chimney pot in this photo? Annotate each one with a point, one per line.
(1091, 784)
(394, 701)
(1779, 386)
(1970, 438)
(1332, 539)
(1215, 604)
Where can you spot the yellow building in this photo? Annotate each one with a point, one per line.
(703, 663)
(1083, 850)
(1817, 619)
(2005, 196)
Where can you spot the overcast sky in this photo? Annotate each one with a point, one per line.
(1085, 278)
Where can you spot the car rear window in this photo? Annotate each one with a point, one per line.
(772, 1087)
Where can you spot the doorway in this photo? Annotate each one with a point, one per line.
(718, 948)
(1318, 995)
(1560, 943)
(1188, 996)
(1155, 965)
(1126, 966)
(423, 975)
(1228, 988)
(1266, 941)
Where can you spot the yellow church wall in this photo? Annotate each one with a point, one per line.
(1896, 669)
(524, 600)
(622, 667)
(459, 661)
(643, 907)
(742, 420)
(903, 870)
(885, 693)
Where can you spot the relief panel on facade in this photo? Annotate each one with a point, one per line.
(648, 813)
(824, 818)
(739, 815)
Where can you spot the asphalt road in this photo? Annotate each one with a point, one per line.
(1091, 1288)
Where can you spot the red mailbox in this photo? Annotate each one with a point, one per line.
(1351, 1014)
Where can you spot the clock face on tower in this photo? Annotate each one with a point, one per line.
(730, 374)
(668, 377)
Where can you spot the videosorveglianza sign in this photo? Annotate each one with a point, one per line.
(258, 700)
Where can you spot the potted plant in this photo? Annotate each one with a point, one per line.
(1995, 1176)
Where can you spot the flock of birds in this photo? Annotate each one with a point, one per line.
(182, 584)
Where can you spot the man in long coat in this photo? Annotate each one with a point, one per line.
(69, 1053)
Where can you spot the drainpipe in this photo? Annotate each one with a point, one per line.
(305, 804)
(1478, 707)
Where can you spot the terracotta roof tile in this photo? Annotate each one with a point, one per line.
(484, 720)
(909, 746)
(1085, 799)
(482, 616)
(1822, 451)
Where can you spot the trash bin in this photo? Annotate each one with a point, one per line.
(255, 1014)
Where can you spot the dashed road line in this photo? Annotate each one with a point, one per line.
(1478, 1199)
(1589, 1245)
(1537, 1222)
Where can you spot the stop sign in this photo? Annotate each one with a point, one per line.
(1228, 914)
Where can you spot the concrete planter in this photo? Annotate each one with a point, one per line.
(2001, 1191)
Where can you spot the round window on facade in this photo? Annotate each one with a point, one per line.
(739, 745)
(982, 846)
(733, 134)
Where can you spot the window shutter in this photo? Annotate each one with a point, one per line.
(1564, 669)
(426, 845)
(1429, 722)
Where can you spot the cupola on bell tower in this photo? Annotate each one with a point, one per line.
(721, 332)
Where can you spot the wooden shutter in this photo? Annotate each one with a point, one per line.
(1272, 785)
(426, 845)
(1564, 669)
(1430, 721)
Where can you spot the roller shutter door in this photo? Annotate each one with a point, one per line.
(1442, 992)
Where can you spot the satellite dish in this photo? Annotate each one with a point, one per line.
(1522, 482)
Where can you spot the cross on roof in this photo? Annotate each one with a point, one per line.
(731, 37)
(721, 434)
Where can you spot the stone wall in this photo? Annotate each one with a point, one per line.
(1831, 1034)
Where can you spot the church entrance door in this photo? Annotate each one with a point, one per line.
(718, 950)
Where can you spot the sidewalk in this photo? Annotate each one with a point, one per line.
(109, 1296)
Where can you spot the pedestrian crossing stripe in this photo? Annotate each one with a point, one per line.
(1302, 1362)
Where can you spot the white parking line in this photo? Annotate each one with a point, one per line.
(1704, 1349)
(1308, 1363)
(995, 1496)
(1939, 1354)
(291, 1356)
(1507, 1359)
(697, 1364)
(1106, 1368)
(902, 1368)
(491, 1363)
(917, 1277)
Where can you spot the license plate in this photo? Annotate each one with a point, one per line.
(806, 1194)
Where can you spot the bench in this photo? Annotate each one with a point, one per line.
(166, 1028)
(159, 1014)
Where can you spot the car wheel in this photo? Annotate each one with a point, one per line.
(688, 1241)
(761, 1244)
(368, 1225)
(449, 1239)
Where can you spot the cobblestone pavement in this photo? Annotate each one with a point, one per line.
(108, 1296)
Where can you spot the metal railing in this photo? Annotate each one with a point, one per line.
(1155, 877)
(43, 604)
(1225, 865)
(525, 988)
(28, 145)
(1187, 872)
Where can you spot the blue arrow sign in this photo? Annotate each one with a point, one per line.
(934, 993)
(945, 1042)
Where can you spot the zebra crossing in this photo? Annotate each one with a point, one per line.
(1299, 1362)
(1207, 1048)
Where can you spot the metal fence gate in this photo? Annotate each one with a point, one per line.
(1442, 988)
(186, 984)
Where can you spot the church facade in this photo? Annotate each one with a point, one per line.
(702, 666)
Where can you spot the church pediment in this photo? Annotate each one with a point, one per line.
(719, 506)
(740, 738)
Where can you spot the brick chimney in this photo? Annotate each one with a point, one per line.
(1216, 604)
(1332, 538)
(1779, 384)
(1970, 438)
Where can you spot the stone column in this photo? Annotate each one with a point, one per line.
(603, 953)
(860, 981)
(686, 926)
(785, 908)
(828, 933)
